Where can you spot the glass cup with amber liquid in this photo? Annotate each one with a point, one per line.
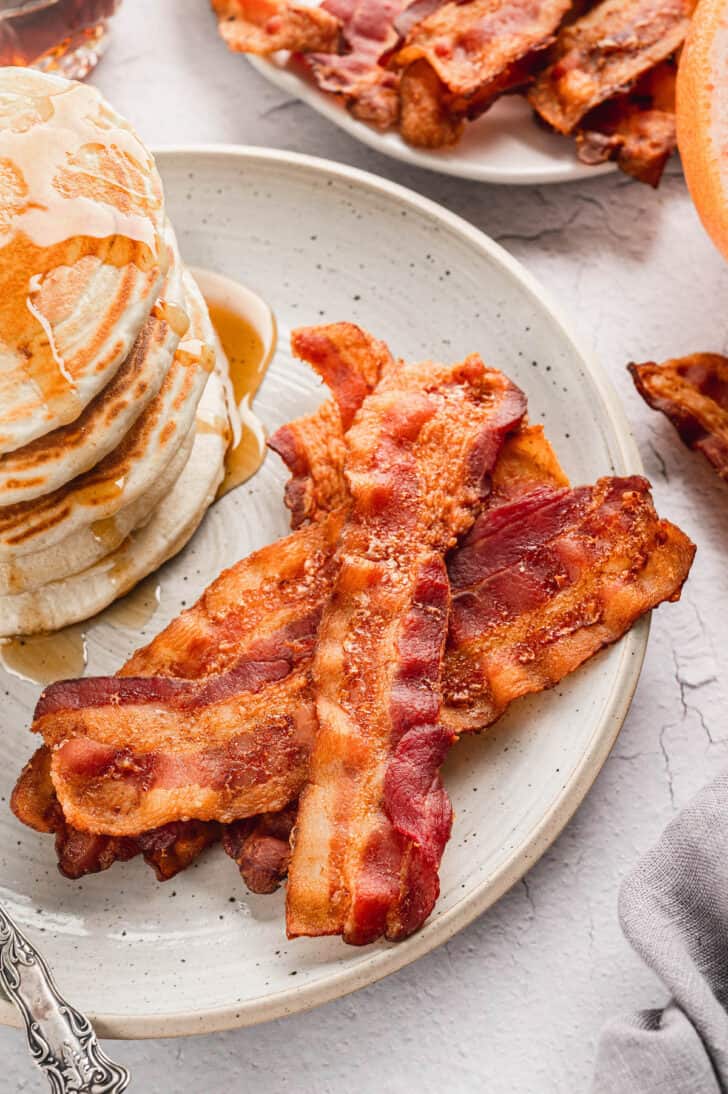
(64, 36)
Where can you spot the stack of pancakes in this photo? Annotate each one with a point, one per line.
(113, 412)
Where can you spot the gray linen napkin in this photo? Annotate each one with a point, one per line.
(673, 908)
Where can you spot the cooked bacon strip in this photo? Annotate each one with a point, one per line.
(357, 73)
(460, 59)
(692, 392)
(261, 848)
(637, 129)
(350, 362)
(168, 850)
(265, 26)
(544, 582)
(132, 753)
(374, 816)
(604, 54)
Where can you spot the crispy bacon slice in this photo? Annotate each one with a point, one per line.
(265, 26)
(374, 816)
(637, 129)
(605, 53)
(544, 582)
(350, 362)
(358, 73)
(134, 752)
(692, 392)
(458, 60)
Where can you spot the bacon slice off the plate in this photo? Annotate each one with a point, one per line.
(458, 60)
(265, 26)
(692, 392)
(605, 53)
(636, 129)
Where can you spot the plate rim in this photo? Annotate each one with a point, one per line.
(391, 958)
(328, 107)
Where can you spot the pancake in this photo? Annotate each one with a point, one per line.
(134, 466)
(171, 525)
(89, 545)
(82, 257)
(53, 460)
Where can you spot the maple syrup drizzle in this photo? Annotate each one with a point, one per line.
(248, 359)
(44, 658)
(137, 608)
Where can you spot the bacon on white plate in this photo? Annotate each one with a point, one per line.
(460, 58)
(266, 26)
(358, 72)
(637, 129)
(604, 54)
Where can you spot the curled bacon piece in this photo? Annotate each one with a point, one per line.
(604, 54)
(167, 850)
(692, 392)
(458, 60)
(261, 848)
(350, 362)
(265, 26)
(374, 817)
(358, 73)
(637, 129)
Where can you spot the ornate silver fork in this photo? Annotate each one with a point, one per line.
(61, 1039)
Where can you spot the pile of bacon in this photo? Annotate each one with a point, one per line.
(439, 568)
(602, 72)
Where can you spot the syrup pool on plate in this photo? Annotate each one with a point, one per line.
(246, 328)
(45, 658)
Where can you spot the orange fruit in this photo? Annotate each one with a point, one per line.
(702, 116)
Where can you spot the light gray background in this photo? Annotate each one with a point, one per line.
(513, 1004)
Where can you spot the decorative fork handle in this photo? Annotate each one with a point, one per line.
(61, 1039)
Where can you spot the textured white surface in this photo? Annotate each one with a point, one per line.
(513, 1004)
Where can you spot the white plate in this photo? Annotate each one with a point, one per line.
(505, 145)
(321, 241)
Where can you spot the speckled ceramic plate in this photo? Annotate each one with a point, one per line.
(506, 145)
(324, 242)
